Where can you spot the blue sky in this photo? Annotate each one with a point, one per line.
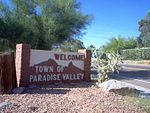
(112, 18)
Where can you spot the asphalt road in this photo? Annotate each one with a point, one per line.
(134, 74)
(140, 77)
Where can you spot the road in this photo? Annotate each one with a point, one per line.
(134, 74)
(140, 77)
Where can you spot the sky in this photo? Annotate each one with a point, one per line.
(112, 18)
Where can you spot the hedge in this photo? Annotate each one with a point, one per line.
(136, 54)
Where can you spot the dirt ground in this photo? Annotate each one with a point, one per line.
(67, 98)
(137, 62)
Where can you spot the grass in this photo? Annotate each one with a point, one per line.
(143, 103)
(134, 99)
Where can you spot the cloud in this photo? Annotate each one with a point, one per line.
(110, 32)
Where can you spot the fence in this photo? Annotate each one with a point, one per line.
(7, 72)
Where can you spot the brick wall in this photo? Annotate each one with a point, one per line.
(87, 63)
(22, 63)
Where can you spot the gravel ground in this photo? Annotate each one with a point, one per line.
(67, 98)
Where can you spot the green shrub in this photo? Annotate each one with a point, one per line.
(105, 64)
(136, 54)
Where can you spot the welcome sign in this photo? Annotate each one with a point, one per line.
(53, 66)
(45, 67)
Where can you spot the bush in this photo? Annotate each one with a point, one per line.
(105, 64)
(136, 54)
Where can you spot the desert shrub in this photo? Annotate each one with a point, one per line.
(136, 54)
(105, 64)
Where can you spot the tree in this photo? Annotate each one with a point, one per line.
(93, 50)
(142, 41)
(72, 45)
(119, 43)
(91, 47)
(130, 43)
(42, 23)
(144, 28)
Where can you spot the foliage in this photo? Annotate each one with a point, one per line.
(91, 47)
(144, 26)
(136, 54)
(119, 43)
(72, 45)
(3, 45)
(106, 63)
(143, 42)
(41, 23)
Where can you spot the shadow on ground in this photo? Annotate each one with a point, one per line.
(137, 74)
(57, 88)
(46, 90)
